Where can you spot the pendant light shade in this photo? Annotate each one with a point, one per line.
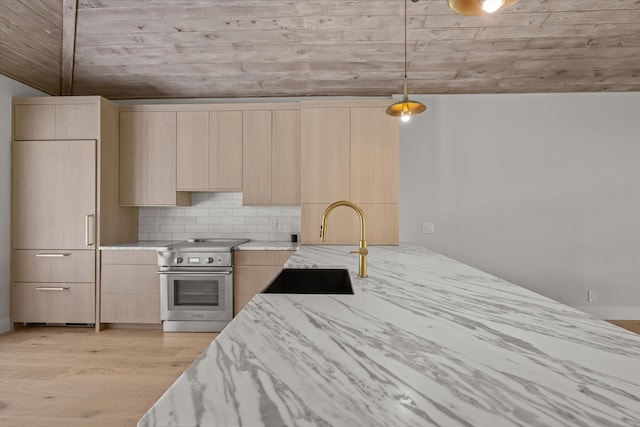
(406, 108)
(479, 7)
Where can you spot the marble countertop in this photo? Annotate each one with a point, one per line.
(140, 245)
(267, 245)
(159, 245)
(424, 341)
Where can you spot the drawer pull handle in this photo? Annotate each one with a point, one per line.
(45, 288)
(55, 255)
(87, 231)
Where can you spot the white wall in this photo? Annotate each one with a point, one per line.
(542, 190)
(8, 89)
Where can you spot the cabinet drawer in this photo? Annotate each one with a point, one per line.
(127, 308)
(262, 257)
(54, 302)
(130, 279)
(129, 257)
(54, 266)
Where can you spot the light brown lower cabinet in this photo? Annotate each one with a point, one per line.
(129, 287)
(253, 270)
(44, 302)
(53, 286)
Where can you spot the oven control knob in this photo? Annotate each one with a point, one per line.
(178, 260)
(209, 260)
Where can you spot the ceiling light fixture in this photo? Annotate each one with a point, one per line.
(406, 108)
(479, 7)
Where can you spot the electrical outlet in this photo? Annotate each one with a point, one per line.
(427, 227)
(592, 296)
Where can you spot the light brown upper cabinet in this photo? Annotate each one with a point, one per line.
(285, 157)
(350, 151)
(193, 151)
(271, 156)
(209, 149)
(60, 118)
(148, 159)
(325, 154)
(225, 151)
(256, 157)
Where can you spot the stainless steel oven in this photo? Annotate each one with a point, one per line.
(196, 285)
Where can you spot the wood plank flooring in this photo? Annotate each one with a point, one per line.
(631, 325)
(74, 377)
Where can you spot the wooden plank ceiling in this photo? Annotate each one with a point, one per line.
(255, 48)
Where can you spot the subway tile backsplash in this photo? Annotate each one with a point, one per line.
(218, 215)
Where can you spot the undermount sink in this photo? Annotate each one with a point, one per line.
(310, 281)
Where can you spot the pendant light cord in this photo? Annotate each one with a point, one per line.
(405, 38)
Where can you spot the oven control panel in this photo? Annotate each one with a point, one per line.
(173, 259)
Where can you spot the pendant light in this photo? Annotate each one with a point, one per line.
(479, 7)
(406, 108)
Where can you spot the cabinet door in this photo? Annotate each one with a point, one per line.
(49, 121)
(325, 154)
(256, 157)
(133, 159)
(253, 271)
(77, 121)
(285, 158)
(374, 156)
(225, 151)
(161, 154)
(130, 287)
(193, 151)
(54, 194)
(148, 158)
(34, 122)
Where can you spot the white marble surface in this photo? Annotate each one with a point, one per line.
(140, 245)
(267, 245)
(158, 245)
(424, 341)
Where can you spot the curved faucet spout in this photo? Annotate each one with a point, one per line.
(362, 250)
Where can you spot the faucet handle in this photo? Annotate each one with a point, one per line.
(361, 251)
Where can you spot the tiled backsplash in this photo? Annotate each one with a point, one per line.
(218, 215)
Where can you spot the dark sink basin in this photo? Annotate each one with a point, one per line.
(310, 281)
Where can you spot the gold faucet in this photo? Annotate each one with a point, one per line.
(362, 250)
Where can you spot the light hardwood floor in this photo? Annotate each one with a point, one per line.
(76, 378)
(72, 377)
(631, 325)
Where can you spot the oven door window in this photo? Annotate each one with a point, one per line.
(196, 293)
(191, 292)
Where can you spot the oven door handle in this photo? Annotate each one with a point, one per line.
(214, 273)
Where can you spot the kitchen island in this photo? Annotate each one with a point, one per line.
(425, 340)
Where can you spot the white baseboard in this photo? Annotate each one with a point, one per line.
(612, 313)
(5, 325)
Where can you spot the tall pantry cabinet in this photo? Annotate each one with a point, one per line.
(64, 204)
